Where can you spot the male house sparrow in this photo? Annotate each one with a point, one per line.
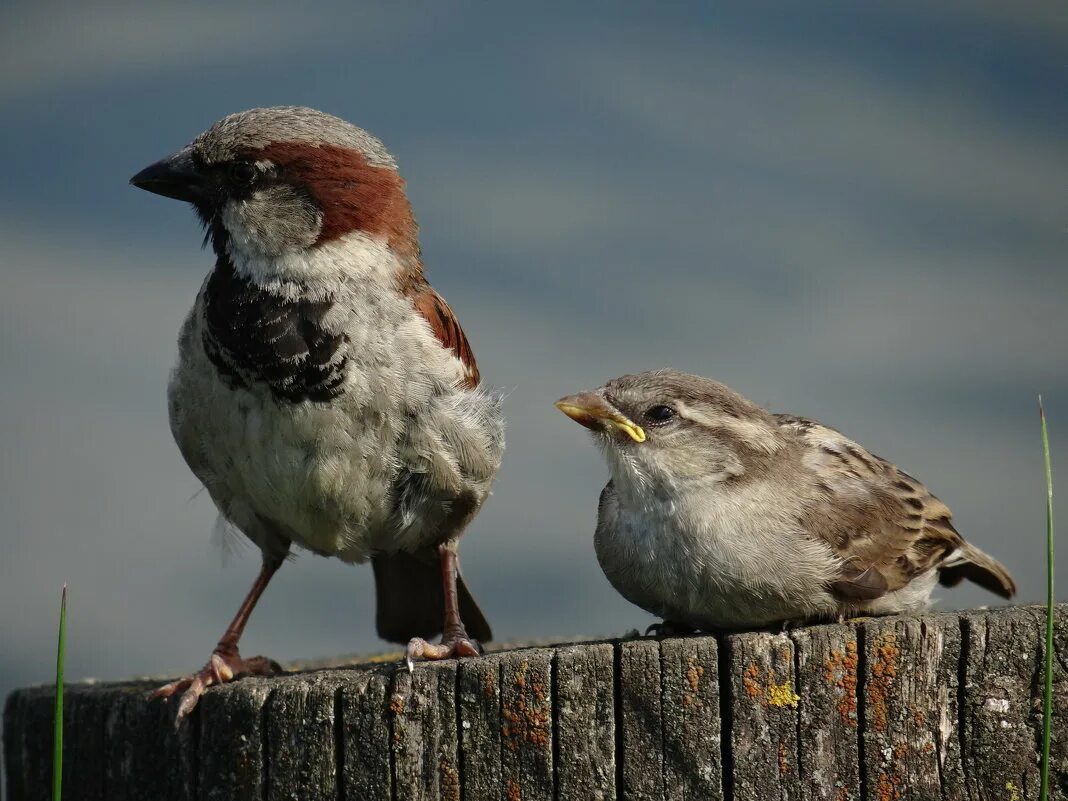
(324, 393)
(720, 515)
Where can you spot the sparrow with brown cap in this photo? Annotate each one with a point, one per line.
(324, 393)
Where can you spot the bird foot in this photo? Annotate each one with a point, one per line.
(669, 628)
(452, 646)
(223, 666)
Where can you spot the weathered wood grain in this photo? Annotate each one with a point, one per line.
(299, 739)
(144, 756)
(480, 728)
(1059, 718)
(84, 711)
(641, 722)
(584, 722)
(15, 729)
(911, 688)
(691, 734)
(361, 717)
(426, 761)
(231, 754)
(941, 706)
(1002, 703)
(763, 717)
(826, 658)
(526, 725)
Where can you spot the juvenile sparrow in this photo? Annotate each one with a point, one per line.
(324, 393)
(720, 515)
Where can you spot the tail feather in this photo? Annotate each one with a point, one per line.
(410, 601)
(968, 562)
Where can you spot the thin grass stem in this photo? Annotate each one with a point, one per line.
(57, 740)
(1047, 697)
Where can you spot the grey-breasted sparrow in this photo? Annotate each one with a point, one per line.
(324, 393)
(720, 515)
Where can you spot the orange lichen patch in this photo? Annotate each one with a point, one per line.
(524, 722)
(928, 748)
(840, 671)
(396, 704)
(901, 750)
(751, 681)
(489, 686)
(842, 794)
(784, 760)
(888, 787)
(513, 791)
(694, 672)
(449, 780)
(786, 658)
(919, 718)
(883, 672)
(520, 675)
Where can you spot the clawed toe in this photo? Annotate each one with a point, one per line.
(449, 648)
(669, 628)
(221, 668)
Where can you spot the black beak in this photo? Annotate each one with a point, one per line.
(175, 176)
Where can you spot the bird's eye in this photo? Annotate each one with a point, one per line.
(242, 172)
(659, 414)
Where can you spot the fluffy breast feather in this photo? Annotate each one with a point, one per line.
(376, 466)
(717, 557)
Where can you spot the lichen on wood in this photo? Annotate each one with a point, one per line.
(941, 706)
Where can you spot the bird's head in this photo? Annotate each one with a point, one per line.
(665, 427)
(269, 183)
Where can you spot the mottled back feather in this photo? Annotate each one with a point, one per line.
(885, 525)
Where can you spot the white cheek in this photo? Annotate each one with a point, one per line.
(243, 237)
(268, 226)
(355, 259)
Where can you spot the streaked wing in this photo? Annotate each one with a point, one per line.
(887, 526)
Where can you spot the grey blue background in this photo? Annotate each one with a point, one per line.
(856, 212)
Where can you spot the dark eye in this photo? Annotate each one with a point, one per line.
(242, 172)
(659, 414)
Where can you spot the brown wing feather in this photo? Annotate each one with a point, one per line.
(887, 526)
(446, 328)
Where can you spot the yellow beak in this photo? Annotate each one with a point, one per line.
(593, 411)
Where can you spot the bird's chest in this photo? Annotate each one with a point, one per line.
(318, 473)
(290, 408)
(712, 560)
(289, 343)
(648, 553)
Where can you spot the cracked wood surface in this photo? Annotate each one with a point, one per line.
(944, 707)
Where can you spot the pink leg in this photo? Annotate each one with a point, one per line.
(225, 662)
(454, 639)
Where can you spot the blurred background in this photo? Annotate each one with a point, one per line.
(854, 212)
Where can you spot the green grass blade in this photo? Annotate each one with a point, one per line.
(1047, 697)
(57, 741)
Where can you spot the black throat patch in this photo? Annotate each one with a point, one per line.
(253, 335)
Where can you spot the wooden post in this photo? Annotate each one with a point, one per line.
(941, 706)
